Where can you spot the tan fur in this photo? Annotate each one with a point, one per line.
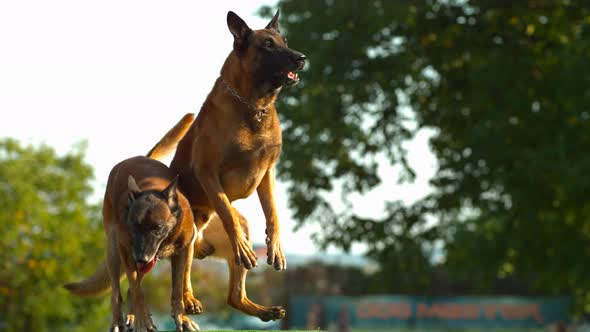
(227, 155)
(213, 240)
(95, 285)
(229, 152)
(168, 143)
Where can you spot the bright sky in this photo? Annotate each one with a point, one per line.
(119, 74)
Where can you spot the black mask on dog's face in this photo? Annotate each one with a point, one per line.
(151, 216)
(266, 51)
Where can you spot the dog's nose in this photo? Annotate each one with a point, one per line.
(301, 58)
(142, 260)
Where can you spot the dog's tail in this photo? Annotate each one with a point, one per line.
(97, 284)
(169, 142)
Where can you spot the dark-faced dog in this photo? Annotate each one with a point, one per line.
(231, 149)
(145, 218)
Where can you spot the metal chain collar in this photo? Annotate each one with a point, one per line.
(260, 112)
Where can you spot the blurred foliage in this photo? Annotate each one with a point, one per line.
(51, 235)
(317, 278)
(504, 85)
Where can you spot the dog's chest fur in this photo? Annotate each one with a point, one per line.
(246, 158)
(167, 250)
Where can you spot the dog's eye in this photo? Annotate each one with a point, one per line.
(268, 43)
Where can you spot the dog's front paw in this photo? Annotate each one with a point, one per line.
(192, 306)
(275, 254)
(183, 323)
(244, 253)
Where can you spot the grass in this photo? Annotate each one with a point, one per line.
(397, 330)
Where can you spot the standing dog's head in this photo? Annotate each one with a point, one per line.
(151, 215)
(264, 53)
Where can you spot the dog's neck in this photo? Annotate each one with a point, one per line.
(238, 83)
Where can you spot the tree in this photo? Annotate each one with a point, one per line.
(51, 235)
(503, 84)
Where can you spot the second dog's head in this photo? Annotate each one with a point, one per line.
(264, 53)
(151, 216)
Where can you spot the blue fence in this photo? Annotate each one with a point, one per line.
(423, 312)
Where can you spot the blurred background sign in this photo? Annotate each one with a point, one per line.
(421, 312)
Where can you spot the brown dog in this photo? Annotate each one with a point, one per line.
(212, 239)
(232, 147)
(145, 218)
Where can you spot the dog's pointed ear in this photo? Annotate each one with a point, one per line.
(238, 28)
(274, 23)
(133, 188)
(171, 194)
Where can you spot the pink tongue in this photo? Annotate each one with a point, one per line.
(147, 267)
(290, 74)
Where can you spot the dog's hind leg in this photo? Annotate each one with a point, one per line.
(237, 296)
(216, 240)
(192, 306)
(238, 299)
(114, 268)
